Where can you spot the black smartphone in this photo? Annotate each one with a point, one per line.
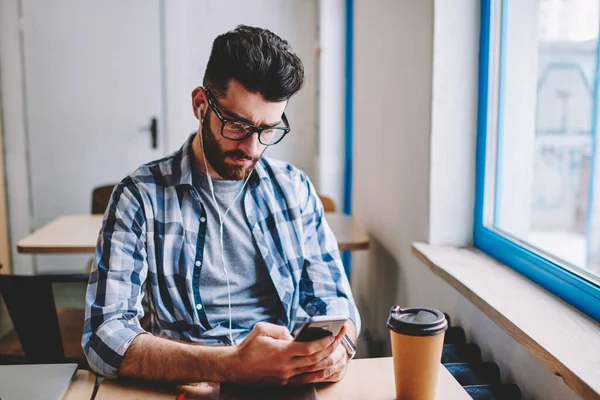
(320, 326)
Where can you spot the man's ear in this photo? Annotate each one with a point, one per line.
(199, 100)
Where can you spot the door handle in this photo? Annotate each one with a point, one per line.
(154, 132)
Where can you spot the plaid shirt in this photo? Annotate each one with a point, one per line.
(154, 230)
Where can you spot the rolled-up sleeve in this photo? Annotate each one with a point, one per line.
(114, 293)
(324, 286)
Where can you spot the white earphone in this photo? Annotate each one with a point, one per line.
(221, 217)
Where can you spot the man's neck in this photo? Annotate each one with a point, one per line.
(198, 159)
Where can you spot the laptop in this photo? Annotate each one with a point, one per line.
(35, 382)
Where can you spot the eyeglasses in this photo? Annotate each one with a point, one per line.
(238, 130)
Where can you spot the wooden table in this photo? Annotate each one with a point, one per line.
(75, 233)
(82, 386)
(371, 378)
(349, 234)
(78, 233)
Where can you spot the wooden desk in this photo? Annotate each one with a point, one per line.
(82, 386)
(371, 379)
(78, 233)
(349, 235)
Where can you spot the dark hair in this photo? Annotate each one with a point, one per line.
(258, 59)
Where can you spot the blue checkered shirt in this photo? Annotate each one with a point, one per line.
(152, 240)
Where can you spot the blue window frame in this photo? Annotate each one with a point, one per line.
(539, 266)
(347, 207)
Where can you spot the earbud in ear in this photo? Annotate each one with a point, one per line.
(200, 109)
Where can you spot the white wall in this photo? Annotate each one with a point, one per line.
(453, 118)
(414, 178)
(392, 122)
(332, 92)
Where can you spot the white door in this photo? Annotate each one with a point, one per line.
(92, 80)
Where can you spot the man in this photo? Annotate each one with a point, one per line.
(232, 246)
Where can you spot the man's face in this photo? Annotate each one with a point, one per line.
(235, 160)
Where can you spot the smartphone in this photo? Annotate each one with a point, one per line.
(320, 326)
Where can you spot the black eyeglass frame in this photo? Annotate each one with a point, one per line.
(258, 129)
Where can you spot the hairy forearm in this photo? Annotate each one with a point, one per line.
(158, 359)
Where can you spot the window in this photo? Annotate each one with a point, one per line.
(538, 172)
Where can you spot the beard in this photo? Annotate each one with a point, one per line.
(215, 155)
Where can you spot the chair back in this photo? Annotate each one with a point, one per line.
(101, 198)
(30, 304)
(41, 331)
(328, 203)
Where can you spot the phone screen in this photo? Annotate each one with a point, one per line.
(313, 330)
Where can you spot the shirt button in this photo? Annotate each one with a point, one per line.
(202, 219)
(198, 263)
(198, 306)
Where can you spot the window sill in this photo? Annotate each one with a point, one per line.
(566, 341)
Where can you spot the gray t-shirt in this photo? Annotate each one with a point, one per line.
(253, 295)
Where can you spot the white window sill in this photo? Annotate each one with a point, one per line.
(566, 341)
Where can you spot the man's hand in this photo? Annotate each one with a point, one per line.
(331, 368)
(270, 355)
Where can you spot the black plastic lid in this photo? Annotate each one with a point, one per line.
(417, 321)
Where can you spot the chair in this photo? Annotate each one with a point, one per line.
(42, 333)
(328, 203)
(100, 198)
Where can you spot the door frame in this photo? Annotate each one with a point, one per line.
(4, 238)
(15, 138)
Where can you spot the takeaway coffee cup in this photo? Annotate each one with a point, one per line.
(417, 336)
